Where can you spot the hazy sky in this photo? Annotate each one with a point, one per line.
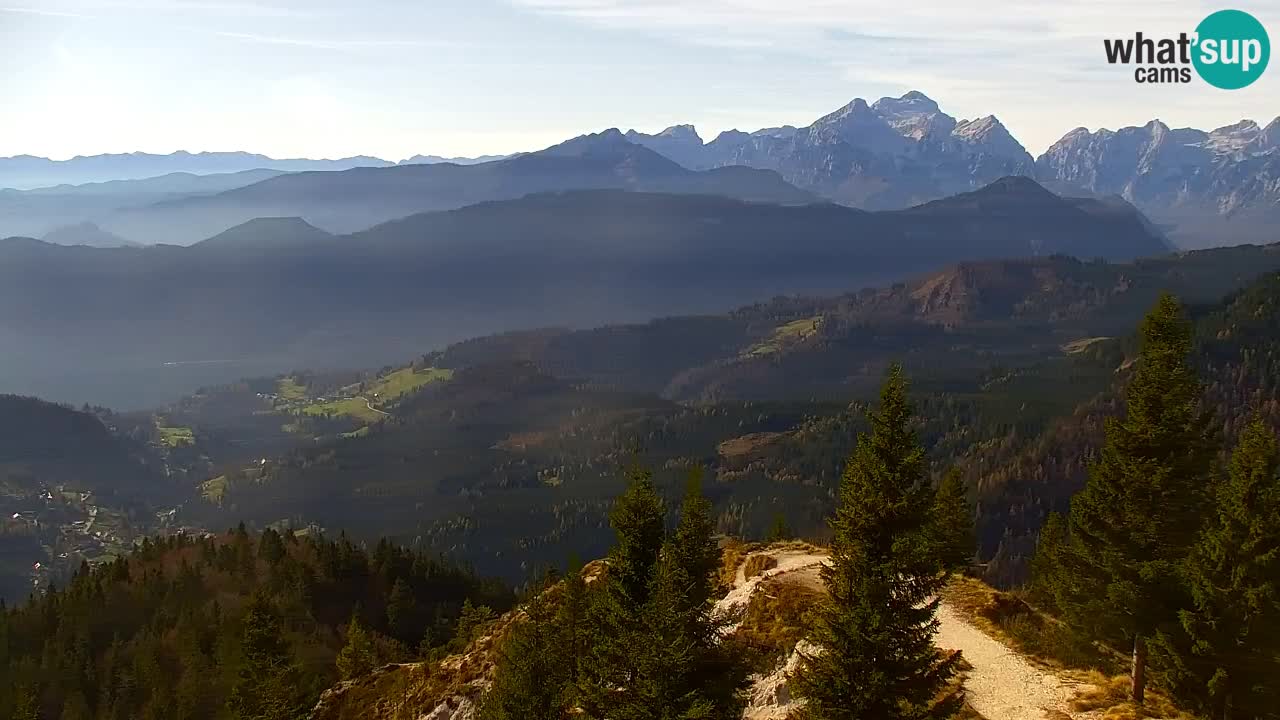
(393, 78)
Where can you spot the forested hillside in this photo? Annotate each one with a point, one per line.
(518, 454)
(227, 626)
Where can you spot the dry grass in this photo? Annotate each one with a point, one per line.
(758, 565)
(1110, 695)
(1041, 638)
(777, 617)
(747, 444)
(732, 553)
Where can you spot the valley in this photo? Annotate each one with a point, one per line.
(881, 416)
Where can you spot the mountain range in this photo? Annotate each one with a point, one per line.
(281, 293)
(25, 172)
(1202, 188)
(1207, 188)
(357, 199)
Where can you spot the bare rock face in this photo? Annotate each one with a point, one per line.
(1226, 171)
(890, 154)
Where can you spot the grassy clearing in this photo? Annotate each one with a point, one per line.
(405, 380)
(290, 390)
(357, 408)
(747, 444)
(214, 488)
(1079, 346)
(176, 436)
(1040, 637)
(784, 335)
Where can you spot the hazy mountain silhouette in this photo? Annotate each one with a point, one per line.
(279, 294)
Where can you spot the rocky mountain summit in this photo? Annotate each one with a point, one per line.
(893, 153)
(1217, 187)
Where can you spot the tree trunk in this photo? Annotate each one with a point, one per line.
(1139, 686)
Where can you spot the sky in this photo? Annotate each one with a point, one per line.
(395, 78)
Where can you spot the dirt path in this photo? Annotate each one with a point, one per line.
(369, 404)
(1002, 685)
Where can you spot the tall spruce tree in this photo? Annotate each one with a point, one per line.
(685, 672)
(693, 545)
(1047, 561)
(610, 670)
(953, 522)
(358, 657)
(1134, 522)
(874, 630)
(571, 620)
(269, 684)
(1233, 572)
(534, 669)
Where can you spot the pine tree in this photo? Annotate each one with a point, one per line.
(684, 671)
(402, 611)
(693, 545)
(1133, 524)
(667, 684)
(534, 670)
(779, 531)
(874, 630)
(615, 614)
(268, 685)
(1047, 562)
(571, 620)
(357, 657)
(953, 522)
(1234, 575)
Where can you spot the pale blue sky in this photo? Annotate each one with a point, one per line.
(327, 78)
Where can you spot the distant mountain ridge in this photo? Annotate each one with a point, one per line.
(25, 172)
(279, 293)
(1210, 188)
(891, 154)
(360, 198)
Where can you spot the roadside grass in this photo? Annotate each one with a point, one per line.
(1110, 695)
(1040, 637)
(758, 565)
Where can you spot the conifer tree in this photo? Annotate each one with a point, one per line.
(269, 683)
(779, 531)
(357, 657)
(615, 615)
(693, 545)
(953, 522)
(874, 630)
(402, 612)
(685, 672)
(1133, 524)
(534, 671)
(1047, 562)
(1233, 623)
(571, 619)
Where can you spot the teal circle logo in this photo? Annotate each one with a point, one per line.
(1232, 49)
